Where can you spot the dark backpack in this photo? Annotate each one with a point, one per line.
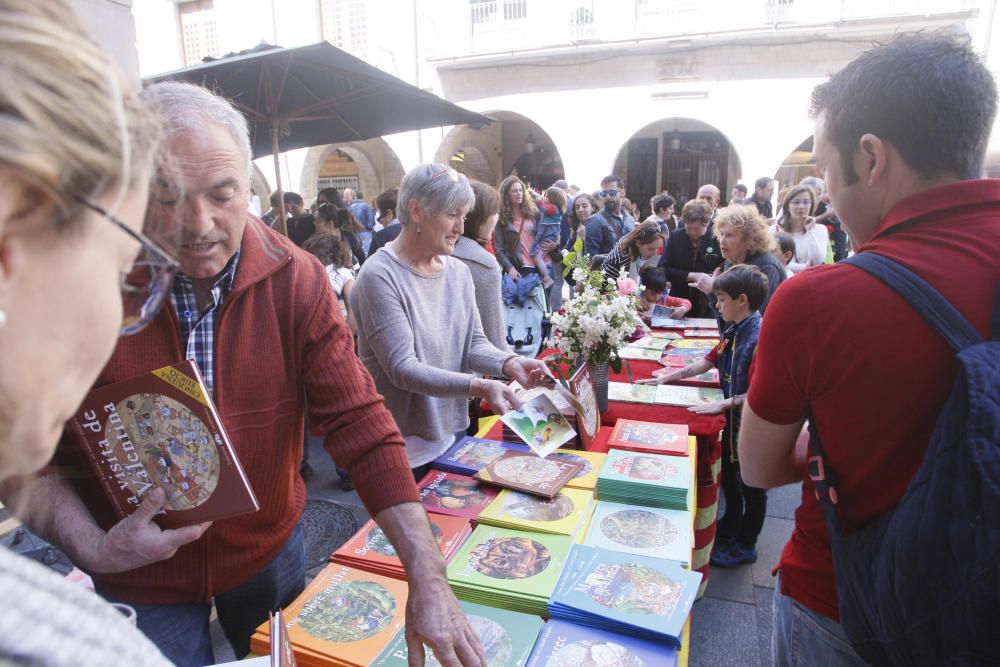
(920, 585)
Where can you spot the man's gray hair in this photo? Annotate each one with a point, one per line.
(184, 106)
(437, 188)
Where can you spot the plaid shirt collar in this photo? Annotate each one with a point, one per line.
(198, 326)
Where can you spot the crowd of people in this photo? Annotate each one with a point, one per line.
(376, 324)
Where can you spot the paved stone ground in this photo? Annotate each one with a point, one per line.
(731, 625)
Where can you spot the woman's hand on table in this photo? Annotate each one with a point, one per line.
(500, 397)
(713, 408)
(529, 373)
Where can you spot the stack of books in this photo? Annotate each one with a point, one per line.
(591, 463)
(469, 455)
(638, 596)
(565, 644)
(566, 514)
(524, 471)
(344, 618)
(647, 531)
(653, 480)
(507, 638)
(369, 549)
(509, 569)
(649, 437)
(668, 394)
(455, 495)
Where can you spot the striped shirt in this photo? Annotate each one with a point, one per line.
(198, 327)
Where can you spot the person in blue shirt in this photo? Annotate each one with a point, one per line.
(740, 291)
(363, 213)
(606, 227)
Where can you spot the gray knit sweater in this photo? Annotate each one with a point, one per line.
(486, 277)
(420, 337)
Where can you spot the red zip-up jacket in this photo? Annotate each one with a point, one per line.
(279, 335)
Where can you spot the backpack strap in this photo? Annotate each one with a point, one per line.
(939, 313)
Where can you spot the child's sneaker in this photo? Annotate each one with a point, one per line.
(735, 555)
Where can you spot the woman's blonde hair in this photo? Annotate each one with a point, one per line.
(69, 123)
(750, 224)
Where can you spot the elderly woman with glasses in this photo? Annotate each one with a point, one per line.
(75, 272)
(812, 240)
(419, 329)
(691, 254)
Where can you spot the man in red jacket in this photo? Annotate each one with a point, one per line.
(259, 317)
(903, 165)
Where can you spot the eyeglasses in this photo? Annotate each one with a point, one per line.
(146, 285)
(611, 193)
(800, 202)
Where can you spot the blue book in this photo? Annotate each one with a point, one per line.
(564, 644)
(647, 531)
(630, 594)
(469, 455)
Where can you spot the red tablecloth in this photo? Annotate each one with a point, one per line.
(707, 428)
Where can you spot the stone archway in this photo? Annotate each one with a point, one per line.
(478, 148)
(797, 165)
(379, 168)
(470, 160)
(678, 155)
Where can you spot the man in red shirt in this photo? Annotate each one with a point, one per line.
(901, 165)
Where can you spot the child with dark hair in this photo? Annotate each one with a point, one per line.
(784, 251)
(740, 291)
(653, 281)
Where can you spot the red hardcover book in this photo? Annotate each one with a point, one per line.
(162, 430)
(650, 437)
(588, 421)
(527, 472)
(456, 495)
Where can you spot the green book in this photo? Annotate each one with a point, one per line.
(510, 561)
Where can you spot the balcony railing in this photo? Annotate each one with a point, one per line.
(513, 25)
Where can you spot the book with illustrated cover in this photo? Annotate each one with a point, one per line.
(680, 357)
(162, 430)
(456, 495)
(709, 379)
(565, 644)
(560, 515)
(631, 393)
(588, 420)
(523, 471)
(653, 437)
(540, 424)
(643, 597)
(694, 343)
(633, 353)
(510, 569)
(665, 335)
(590, 463)
(655, 480)
(469, 454)
(370, 549)
(344, 616)
(506, 637)
(668, 394)
(650, 531)
(702, 333)
(661, 318)
(650, 343)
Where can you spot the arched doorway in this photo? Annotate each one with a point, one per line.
(676, 155)
(514, 144)
(369, 166)
(797, 165)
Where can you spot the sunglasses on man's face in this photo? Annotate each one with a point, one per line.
(613, 192)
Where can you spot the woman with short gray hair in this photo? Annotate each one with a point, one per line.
(419, 330)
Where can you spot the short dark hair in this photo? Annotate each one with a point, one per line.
(387, 200)
(653, 278)
(661, 202)
(743, 279)
(332, 196)
(742, 188)
(929, 95)
(293, 198)
(613, 178)
(785, 241)
(762, 182)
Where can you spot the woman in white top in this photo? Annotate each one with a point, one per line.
(76, 156)
(812, 240)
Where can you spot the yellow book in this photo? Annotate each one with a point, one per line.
(559, 516)
(592, 462)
